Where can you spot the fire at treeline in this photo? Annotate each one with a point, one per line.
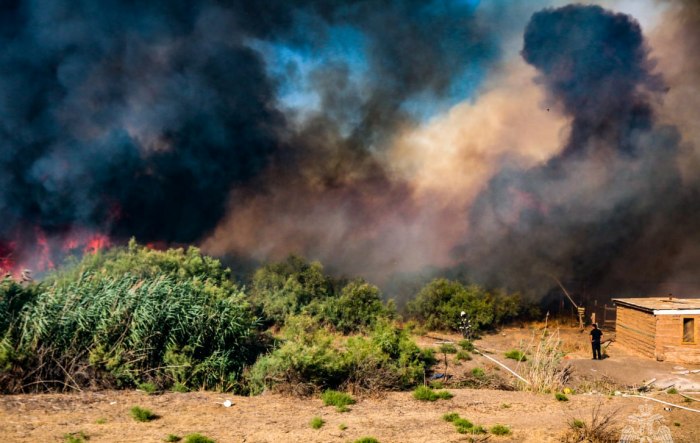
(507, 144)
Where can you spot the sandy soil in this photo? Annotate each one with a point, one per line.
(397, 417)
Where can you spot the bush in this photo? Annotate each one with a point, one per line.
(439, 303)
(467, 345)
(173, 438)
(601, 427)
(464, 426)
(317, 423)
(148, 387)
(478, 372)
(142, 414)
(447, 348)
(283, 289)
(143, 316)
(340, 400)
(515, 354)
(672, 391)
(478, 430)
(76, 437)
(197, 438)
(387, 359)
(462, 423)
(424, 393)
(500, 430)
(463, 356)
(179, 387)
(450, 417)
(367, 440)
(357, 308)
(561, 397)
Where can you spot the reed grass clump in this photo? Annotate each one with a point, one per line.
(133, 317)
(543, 370)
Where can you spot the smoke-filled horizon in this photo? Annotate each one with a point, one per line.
(501, 141)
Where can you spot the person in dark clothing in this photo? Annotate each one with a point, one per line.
(596, 334)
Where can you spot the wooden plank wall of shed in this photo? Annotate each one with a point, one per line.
(669, 339)
(636, 330)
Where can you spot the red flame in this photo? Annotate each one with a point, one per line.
(39, 252)
(96, 243)
(44, 261)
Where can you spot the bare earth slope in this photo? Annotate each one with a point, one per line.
(397, 417)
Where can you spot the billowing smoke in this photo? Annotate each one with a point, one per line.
(140, 118)
(611, 211)
(385, 138)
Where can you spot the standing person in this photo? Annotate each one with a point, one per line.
(596, 334)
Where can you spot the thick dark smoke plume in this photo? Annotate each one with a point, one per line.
(611, 212)
(169, 121)
(139, 118)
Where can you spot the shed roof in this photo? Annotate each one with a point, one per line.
(656, 304)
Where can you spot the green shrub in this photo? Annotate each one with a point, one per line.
(282, 289)
(387, 359)
(464, 426)
(367, 440)
(357, 308)
(463, 356)
(173, 438)
(478, 372)
(450, 417)
(476, 429)
(142, 414)
(424, 393)
(447, 348)
(500, 430)
(148, 388)
(76, 437)
(340, 400)
(462, 423)
(515, 354)
(467, 345)
(342, 426)
(561, 397)
(576, 423)
(317, 423)
(197, 438)
(439, 303)
(672, 391)
(179, 387)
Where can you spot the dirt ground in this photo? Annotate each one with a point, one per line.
(396, 417)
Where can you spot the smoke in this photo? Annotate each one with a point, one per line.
(387, 138)
(611, 211)
(136, 119)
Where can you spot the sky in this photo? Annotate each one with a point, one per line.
(502, 142)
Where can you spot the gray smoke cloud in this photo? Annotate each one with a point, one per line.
(611, 212)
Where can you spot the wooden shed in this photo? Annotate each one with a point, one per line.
(667, 329)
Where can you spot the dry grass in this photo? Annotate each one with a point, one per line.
(543, 370)
(602, 427)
